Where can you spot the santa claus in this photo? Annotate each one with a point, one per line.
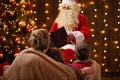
(75, 24)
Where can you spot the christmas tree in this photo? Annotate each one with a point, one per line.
(17, 19)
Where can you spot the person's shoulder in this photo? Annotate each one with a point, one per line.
(24, 50)
(95, 63)
(82, 15)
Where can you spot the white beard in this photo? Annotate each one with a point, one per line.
(68, 19)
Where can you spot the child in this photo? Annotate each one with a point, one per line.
(55, 53)
(84, 60)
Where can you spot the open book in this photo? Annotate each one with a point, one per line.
(58, 37)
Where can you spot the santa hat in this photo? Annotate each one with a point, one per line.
(70, 1)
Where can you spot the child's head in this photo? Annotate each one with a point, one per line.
(82, 51)
(55, 53)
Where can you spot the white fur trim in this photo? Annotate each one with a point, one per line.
(78, 36)
(68, 1)
(69, 46)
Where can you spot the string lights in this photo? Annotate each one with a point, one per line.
(105, 33)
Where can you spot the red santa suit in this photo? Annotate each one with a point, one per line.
(81, 32)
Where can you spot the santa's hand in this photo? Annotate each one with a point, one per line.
(88, 70)
(70, 37)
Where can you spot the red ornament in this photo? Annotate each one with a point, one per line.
(1, 37)
(28, 28)
(1, 9)
(3, 15)
(14, 22)
(14, 3)
(29, 5)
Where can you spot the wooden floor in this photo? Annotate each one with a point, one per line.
(110, 78)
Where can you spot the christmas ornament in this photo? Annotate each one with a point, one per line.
(1, 55)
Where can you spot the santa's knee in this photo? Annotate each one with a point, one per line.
(68, 56)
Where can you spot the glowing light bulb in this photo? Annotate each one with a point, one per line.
(91, 2)
(106, 13)
(95, 43)
(118, 47)
(102, 32)
(104, 20)
(105, 44)
(105, 51)
(59, 1)
(118, 9)
(116, 42)
(106, 70)
(95, 16)
(95, 9)
(105, 38)
(94, 50)
(118, 16)
(83, 5)
(103, 64)
(82, 11)
(47, 18)
(92, 30)
(106, 6)
(93, 35)
(92, 23)
(115, 29)
(104, 57)
(95, 55)
(44, 25)
(118, 22)
(46, 4)
(106, 25)
(116, 60)
(46, 11)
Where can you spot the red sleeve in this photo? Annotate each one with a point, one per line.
(84, 27)
(54, 27)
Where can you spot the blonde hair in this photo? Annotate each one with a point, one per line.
(39, 39)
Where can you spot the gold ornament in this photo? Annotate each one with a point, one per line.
(22, 2)
(4, 39)
(32, 23)
(22, 23)
(12, 13)
(5, 26)
(1, 56)
(17, 39)
(31, 11)
(23, 42)
(11, 1)
(22, 10)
